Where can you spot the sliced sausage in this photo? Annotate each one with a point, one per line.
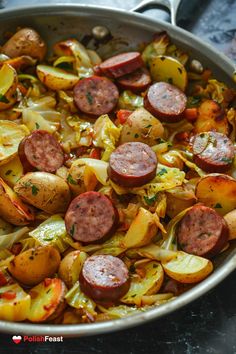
(137, 81)
(165, 102)
(202, 232)
(104, 278)
(41, 151)
(121, 64)
(132, 164)
(91, 217)
(96, 95)
(212, 151)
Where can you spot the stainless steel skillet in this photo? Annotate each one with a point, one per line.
(56, 22)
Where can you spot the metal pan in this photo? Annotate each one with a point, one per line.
(57, 22)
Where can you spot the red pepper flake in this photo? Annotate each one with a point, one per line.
(95, 153)
(47, 282)
(122, 115)
(8, 295)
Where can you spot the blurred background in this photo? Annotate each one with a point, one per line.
(212, 20)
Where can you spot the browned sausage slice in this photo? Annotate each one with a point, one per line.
(132, 164)
(96, 95)
(137, 81)
(121, 64)
(212, 151)
(202, 232)
(104, 278)
(41, 151)
(165, 102)
(91, 217)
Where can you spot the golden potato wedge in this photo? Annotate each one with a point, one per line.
(55, 78)
(71, 266)
(8, 85)
(230, 218)
(211, 117)
(12, 171)
(217, 191)
(149, 284)
(165, 68)
(25, 42)
(80, 178)
(188, 268)
(14, 303)
(35, 264)
(45, 191)
(141, 231)
(12, 208)
(11, 135)
(141, 126)
(47, 300)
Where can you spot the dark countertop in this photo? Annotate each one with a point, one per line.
(208, 325)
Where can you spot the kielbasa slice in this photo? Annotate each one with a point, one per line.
(165, 102)
(212, 151)
(41, 151)
(91, 217)
(137, 81)
(132, 164)
(121, 64)
(104, 278)
(96, 95)
(202, 232)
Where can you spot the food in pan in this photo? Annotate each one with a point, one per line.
(117, 178)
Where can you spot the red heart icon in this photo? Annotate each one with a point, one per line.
(17, 339)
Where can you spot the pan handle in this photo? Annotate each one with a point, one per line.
(171, 5)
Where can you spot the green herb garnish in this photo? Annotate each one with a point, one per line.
(34, 189)
(162, 172)
(151, 200)
(3, 99)
(218, 206)
(8, 172)
(71, 180)
(89, 97)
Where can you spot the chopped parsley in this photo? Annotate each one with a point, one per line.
(193, 101)
(226, 159)
(151, 200)
(8, 172)
(3, 99)
(136, 135)
(162, 172)
(72, 230)
(34, 189)
(170, 80)
(218, 206)
(71, 180)
(89, 97)
(148, 126)
(37, 125)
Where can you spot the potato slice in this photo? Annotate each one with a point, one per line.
(141, 231)
(47, 300)
(55, 78)
(187, 268)
(164, 68)
(230, 218)
(14, 303)
(217, 191)
(141, 126)
(211, 117)
(12, 208)
(45, 191)
(12, 171)
(71, 266)
(11, 135)
(149, 284)
(8, 85)
(35, 264)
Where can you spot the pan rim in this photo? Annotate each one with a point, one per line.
(199, 290)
